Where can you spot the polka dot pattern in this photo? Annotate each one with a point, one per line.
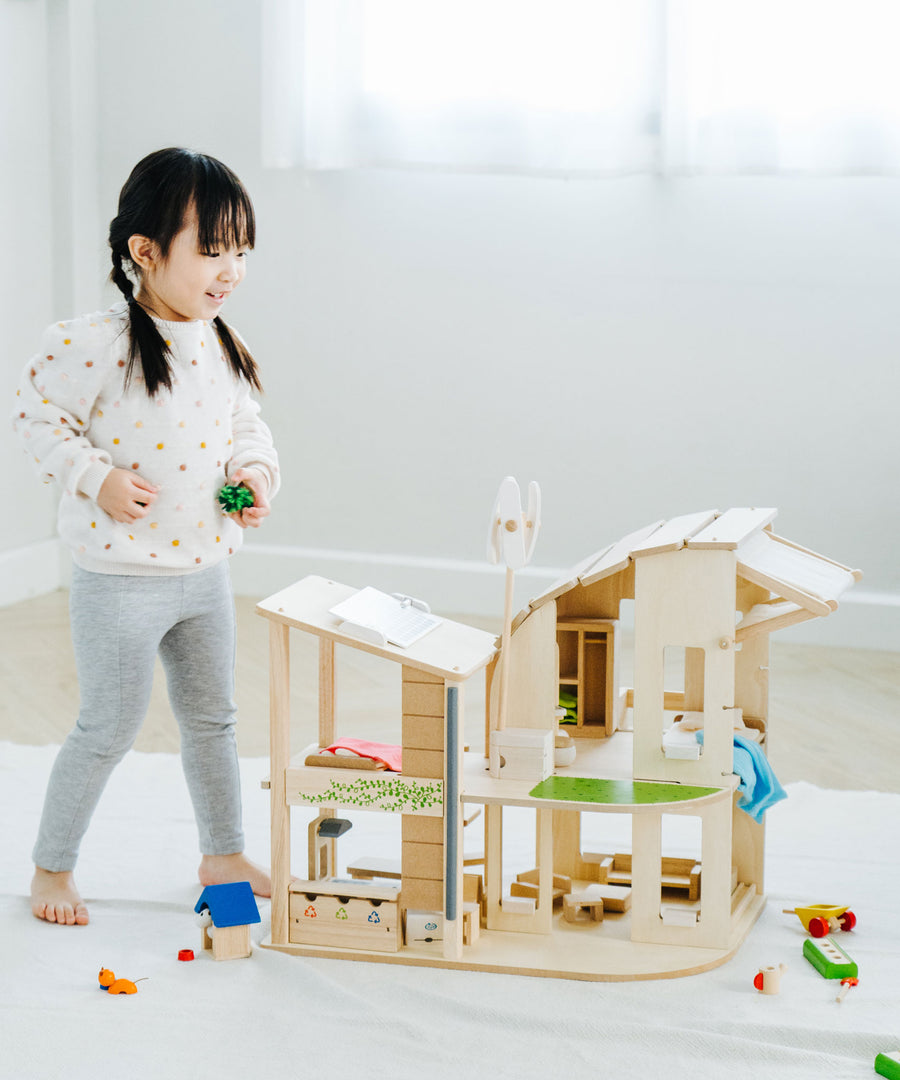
(186, 441)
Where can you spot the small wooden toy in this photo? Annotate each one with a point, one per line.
(112, 985)
(234, 498)
(768, 979)
(888, 1064)
(846, 986)
(225, 914)
(829, 959)
(822, 919)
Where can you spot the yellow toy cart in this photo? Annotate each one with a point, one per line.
(822, 919)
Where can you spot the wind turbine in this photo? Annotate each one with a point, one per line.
(511, 537)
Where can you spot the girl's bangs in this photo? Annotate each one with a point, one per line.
(225, 215)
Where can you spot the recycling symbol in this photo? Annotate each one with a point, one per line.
(374, 917)
(311, 912)
(341, 913)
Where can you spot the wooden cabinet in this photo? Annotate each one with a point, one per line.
(588, 671)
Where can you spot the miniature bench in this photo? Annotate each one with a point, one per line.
(676, 873)
(527, 885)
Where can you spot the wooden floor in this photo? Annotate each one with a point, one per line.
(835, 713)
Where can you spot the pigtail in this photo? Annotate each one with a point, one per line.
(146, 346)
(241, 362)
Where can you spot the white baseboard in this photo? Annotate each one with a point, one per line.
(450, 587)
(865, 619)
(31, 571)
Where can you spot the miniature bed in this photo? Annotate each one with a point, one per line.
(707, 588)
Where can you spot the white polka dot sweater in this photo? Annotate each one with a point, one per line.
(77, 421)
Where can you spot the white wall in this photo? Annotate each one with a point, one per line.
(26, 267)
(641, 347)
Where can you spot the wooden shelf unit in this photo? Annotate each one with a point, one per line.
(588, 668)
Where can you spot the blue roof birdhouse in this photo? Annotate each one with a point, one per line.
(229, 905)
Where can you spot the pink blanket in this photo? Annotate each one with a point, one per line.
(384, 752)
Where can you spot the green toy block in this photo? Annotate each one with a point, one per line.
(829, 959)
(233, 498)
(888, 1064)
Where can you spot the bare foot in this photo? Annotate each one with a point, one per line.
(55, 899)
(222, 869)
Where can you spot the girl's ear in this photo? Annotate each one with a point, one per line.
(144, 252)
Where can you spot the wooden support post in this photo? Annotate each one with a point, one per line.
(326, 692)
(567, 843)
(493, 862)
(279, 757)
(543, 843)
(715, 888)
(646, 876)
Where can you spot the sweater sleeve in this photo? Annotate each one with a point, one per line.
(55, 400)
(252, 441)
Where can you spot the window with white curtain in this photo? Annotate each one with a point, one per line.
(583, 86)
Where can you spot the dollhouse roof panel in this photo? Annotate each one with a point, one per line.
(618, 556)
(672, 535)
(452, 650)
(809, 583)
(567, 581)
(733, 527)
(794, 573)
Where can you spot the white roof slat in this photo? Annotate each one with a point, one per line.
(781, 563)
(567, 581)
(673, 535)
(618, 556)
(730, 529)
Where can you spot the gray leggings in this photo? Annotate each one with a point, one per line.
(119, 624)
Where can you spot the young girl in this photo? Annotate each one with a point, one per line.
(141, 414)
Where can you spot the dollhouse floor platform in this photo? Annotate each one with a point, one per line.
(601, 952)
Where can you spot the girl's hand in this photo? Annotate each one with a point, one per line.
(251, 516)
(125, 496)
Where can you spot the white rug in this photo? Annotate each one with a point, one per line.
(277, 1015)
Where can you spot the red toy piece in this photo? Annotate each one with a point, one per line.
(768, 979)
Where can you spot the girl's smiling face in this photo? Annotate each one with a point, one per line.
(188, 283)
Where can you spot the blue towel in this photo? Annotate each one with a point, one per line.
(759, 787)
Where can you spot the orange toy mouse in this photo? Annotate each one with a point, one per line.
(112, 985)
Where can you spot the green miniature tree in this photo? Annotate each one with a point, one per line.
(233, 498)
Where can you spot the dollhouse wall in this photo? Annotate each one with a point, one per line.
(685, 599)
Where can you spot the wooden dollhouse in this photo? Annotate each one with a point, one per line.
(706, 589)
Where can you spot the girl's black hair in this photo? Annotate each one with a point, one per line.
(155, 202)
